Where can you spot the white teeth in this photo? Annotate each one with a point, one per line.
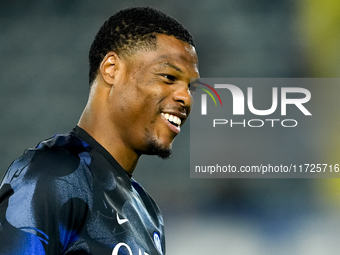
(172, 118)
(177, 120)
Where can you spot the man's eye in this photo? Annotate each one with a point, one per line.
(169, 77)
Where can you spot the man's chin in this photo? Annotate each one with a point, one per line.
(163, 153)
(158, 149)
(156, 146)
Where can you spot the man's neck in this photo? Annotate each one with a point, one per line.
(107, 138)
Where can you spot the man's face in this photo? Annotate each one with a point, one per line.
(154, 100)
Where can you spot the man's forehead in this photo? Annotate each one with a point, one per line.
(172, 58)
(170, 52)
(169, 42)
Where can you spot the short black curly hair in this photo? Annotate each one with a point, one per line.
(130, 30)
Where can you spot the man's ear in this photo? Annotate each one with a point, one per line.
(109, 67)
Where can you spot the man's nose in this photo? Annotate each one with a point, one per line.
(183, 95)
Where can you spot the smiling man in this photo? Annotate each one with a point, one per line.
(74, 193)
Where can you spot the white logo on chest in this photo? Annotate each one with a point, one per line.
(121, 221)
(127, 247)
(157, 242)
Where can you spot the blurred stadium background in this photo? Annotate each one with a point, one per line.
(44, 87)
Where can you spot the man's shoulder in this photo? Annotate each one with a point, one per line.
(57, 156)
(55, 171)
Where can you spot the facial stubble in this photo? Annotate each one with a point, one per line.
(154, 147)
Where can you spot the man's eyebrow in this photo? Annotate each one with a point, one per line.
(172, 66)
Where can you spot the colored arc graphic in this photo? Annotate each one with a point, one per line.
(209, 93)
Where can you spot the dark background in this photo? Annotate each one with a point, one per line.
(44, 88)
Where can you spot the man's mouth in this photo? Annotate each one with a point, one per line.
(174, 120)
